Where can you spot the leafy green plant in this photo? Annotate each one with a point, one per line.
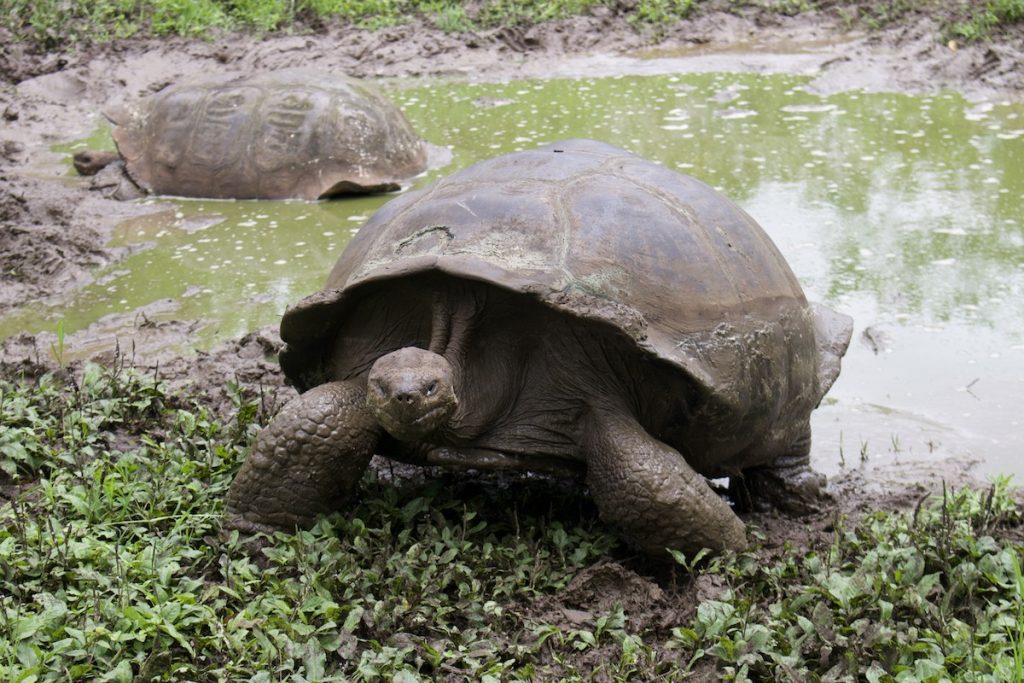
(896, 597)
(981, 24)
(452, 18)
(117, 554)
(186, 17)
(114, 566)
(366, 13)
(515, 12)
(661, 11)
(263, 15)
(54, 24)
(51, 24)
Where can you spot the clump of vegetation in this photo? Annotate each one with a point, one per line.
(51, 24)
(876, 15)
(983, 23)
(54, 23)
(924, 596)
(113, 567)
(786, 7)
(661, 12)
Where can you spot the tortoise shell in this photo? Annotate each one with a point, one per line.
(601, 234)
(284, 134)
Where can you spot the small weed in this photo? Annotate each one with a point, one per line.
(57, 349)
(894, 444)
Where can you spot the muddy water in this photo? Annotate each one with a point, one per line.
(906, 212)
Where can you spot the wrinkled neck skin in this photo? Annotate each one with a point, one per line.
(459, 313)
(525, 375)
(454, 318)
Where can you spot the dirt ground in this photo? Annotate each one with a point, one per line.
(53, 229)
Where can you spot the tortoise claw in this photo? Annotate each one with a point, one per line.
(795, 490)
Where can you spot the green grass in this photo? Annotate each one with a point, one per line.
(51, 24)
(48, 22)
(113, 567)
(984, 22)
(55, 23)
(661, 12)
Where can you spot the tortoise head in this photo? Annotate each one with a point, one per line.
(91, 161)
(411, 392)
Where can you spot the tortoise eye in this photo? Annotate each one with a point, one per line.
(432, 388)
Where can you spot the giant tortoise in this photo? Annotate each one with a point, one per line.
(570, 308)
(294, 133)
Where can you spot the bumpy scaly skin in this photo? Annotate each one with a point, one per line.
(306, 462)
(646, 489)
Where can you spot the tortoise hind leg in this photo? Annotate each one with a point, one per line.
(648, 491)
(306, 461)
(788, 484)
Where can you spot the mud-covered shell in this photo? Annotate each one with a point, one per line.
(284, 134)
(601, 234)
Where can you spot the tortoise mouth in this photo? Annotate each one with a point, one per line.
(429, 417)
(404, 425)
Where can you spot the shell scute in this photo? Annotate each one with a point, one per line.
(223, 121)
(286, 127)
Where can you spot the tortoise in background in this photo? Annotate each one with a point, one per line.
(571, 308)
(283, 134)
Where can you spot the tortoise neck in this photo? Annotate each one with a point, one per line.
(441, 323)
(456, 309)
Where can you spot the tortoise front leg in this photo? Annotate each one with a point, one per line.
(648, 491)
(306, 461)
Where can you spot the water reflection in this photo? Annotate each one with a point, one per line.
(907, 212)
